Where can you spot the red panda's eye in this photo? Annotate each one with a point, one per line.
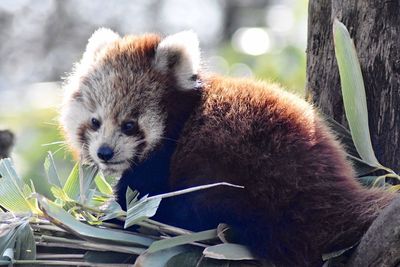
(129, 128)
(95, 124)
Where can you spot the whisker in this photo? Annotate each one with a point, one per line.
(132, 161)
(59, 149)
(169, 139)
(55, 143)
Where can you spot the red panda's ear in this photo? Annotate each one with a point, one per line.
(179, 54)
(99, 39)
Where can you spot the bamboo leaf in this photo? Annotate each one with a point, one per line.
(371, 181)
(140, 210)
(103, 186)
(228, 251)
(60, 194)
(112, 210)
(360, 166)
(343, 135)
(33, 201)
(25, 246)
(9, 253)
(146, 207)
(61, 218)
(225, 233)
(159, 258)
(182, 240)
(86, 178)
(188, 258)
(71, 186)
(18, 237)
(12, 196)
(51, 170)
(131, 196)
(353, 92)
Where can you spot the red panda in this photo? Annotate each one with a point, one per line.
(140, 107)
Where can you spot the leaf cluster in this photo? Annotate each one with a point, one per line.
(72, 227)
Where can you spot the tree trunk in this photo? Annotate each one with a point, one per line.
(375, 29)
(380, 244)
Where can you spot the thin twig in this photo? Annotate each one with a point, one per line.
(92, 246)
(192, 189)
(67, 263)
(44, 256)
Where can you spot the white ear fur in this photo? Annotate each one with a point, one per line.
(99, 39)
(180, 53)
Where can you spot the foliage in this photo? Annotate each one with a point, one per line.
(355, 104)
(357, 141)
(36, 132)
(75, 217)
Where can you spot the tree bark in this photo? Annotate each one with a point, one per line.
(380, 246)
(375, 29)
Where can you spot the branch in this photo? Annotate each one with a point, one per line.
(380, 246)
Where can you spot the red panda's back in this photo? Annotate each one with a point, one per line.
(295, 173)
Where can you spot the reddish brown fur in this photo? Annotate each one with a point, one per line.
(300, 198)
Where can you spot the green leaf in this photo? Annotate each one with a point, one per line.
(160, 258)
(112, 210)
(371, 181)
(12, 195)
(60, 194)
(51, 170)
(182, 240)
(25, 246)
(146, 207)
(103, 186)
(131, 196)
(18, 237)
(189, 258)
(141, 210)
(343, 135)
(86, 178)
(79, 182)
(353, 92)
(32, 200)
(360, 166)
(225, 233)
(71, 186)
(228, 251)
(62, 219)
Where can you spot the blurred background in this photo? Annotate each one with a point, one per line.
(41, 39)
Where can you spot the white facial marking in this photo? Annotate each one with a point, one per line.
(92, 91)
(150, 122)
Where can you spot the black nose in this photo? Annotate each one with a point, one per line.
(105, 152)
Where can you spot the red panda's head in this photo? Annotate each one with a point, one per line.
(123, 94)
